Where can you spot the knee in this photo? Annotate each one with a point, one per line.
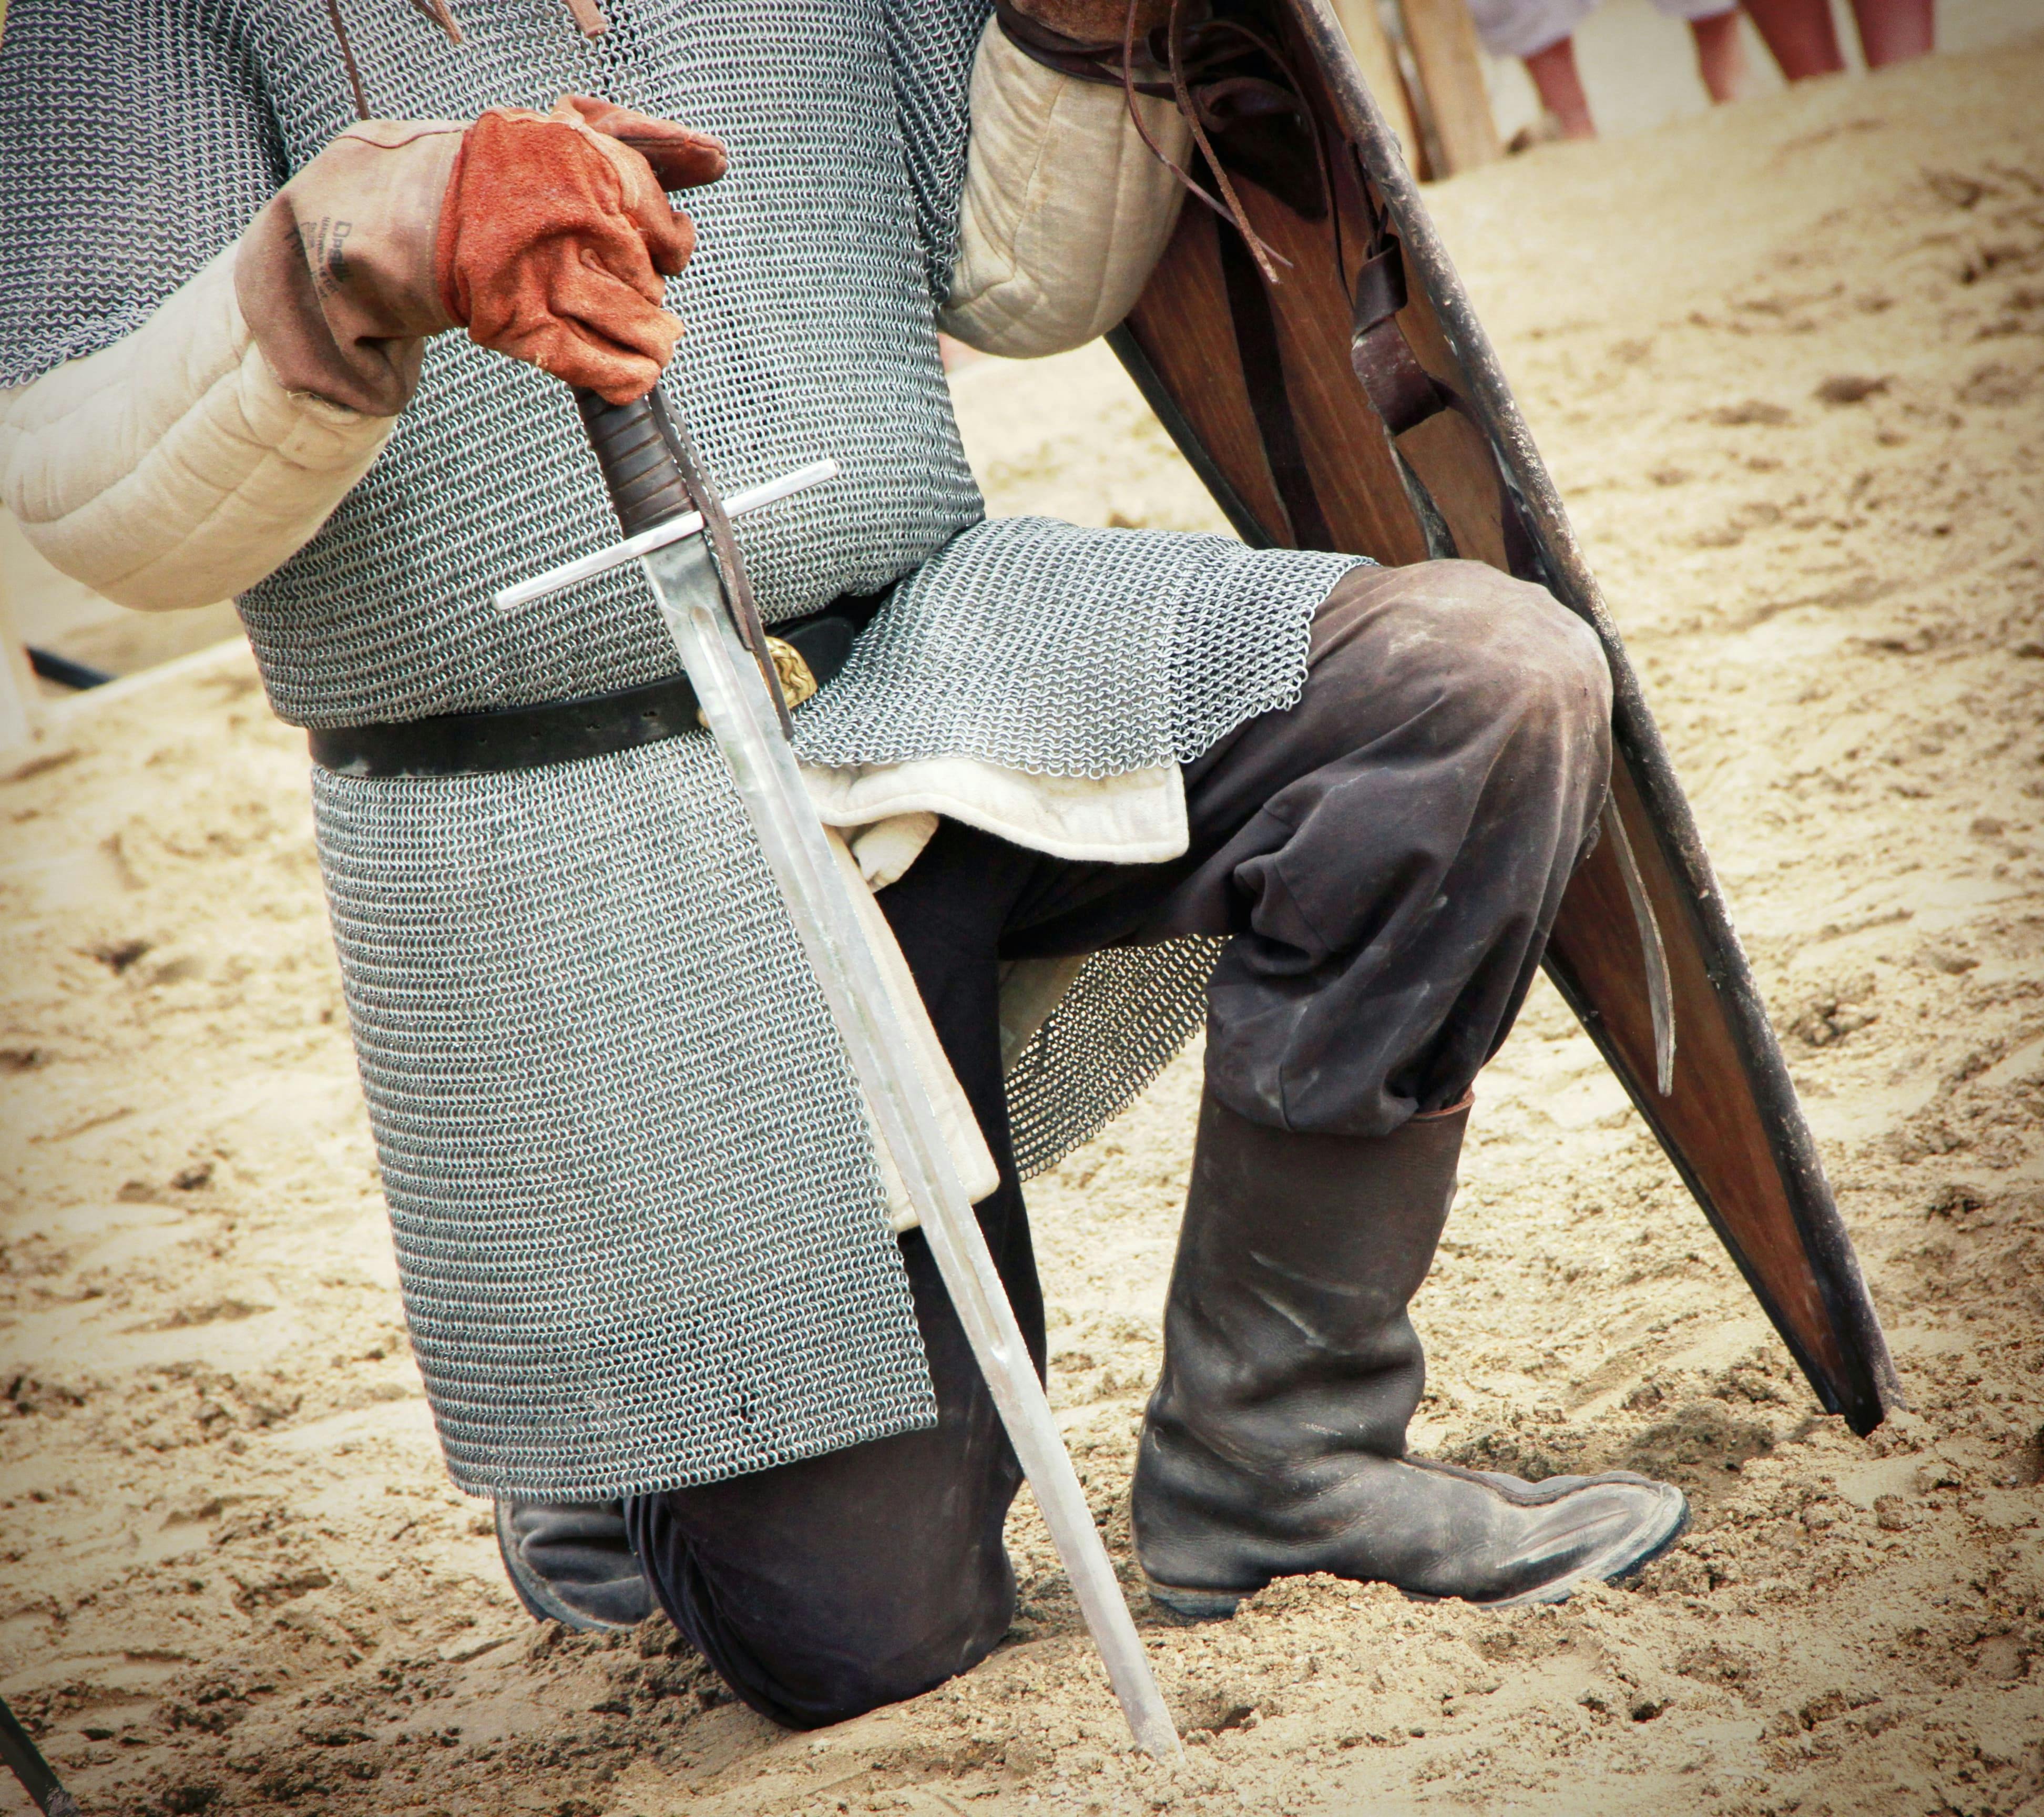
(1483, 662)
(825, 1633)
(1521, 658)
(825, 1678)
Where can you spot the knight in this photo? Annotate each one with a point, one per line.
(261, 265)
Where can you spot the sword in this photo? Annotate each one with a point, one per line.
(671, 518)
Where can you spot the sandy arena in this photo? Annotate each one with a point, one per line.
(1787, 362)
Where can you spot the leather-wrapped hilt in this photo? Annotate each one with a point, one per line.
(632, 453)
(654, 473)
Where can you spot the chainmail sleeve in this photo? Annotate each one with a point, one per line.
(932, 44)
(133, 146)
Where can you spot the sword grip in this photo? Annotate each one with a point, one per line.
(645, 484)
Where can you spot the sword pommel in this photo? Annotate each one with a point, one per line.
(638, 466)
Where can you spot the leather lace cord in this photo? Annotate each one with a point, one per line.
(362, 110)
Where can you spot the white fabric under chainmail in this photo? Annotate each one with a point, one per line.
(641, 1235)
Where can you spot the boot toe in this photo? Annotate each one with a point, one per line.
(1568, 1531)
(571, 1563)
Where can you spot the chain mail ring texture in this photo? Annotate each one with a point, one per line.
(591, 951)
(641, 1236)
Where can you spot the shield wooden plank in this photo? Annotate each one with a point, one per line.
(1259, 386)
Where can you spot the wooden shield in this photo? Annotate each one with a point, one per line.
(1356, 405)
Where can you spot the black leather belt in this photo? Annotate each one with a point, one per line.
(559, 732)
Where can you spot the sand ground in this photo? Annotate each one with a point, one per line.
(1787, 363)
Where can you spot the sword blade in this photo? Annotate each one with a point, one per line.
(735, 703)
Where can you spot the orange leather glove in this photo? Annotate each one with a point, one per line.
(556, 238)
(548, 236)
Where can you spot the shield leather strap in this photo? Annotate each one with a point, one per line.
(1237, 90)
(1405, 394)
(1263, 365)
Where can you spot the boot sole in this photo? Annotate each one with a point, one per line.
(1219, 1605)
(1195, 1605)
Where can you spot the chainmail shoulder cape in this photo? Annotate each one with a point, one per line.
(642, 1240)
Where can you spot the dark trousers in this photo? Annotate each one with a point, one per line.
(1388, 856)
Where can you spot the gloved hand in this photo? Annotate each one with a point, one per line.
(1094, 21)
(548, 236)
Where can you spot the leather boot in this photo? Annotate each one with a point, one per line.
(572, 1562)
(1275, 1442)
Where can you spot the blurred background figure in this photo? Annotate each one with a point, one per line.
(1541, 33)
(1801, 37)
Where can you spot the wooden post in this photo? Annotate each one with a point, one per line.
(1372, 44)
(1442, 39)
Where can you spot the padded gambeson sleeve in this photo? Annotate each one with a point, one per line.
(172, 469)
(134, 145)
(1065, 210)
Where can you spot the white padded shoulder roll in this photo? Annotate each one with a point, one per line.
(171, 469)
(1065, 210)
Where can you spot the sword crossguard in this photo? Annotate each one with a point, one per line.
(674, 530)
(651, 501)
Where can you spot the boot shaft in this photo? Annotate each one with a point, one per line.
(1286, 1321)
